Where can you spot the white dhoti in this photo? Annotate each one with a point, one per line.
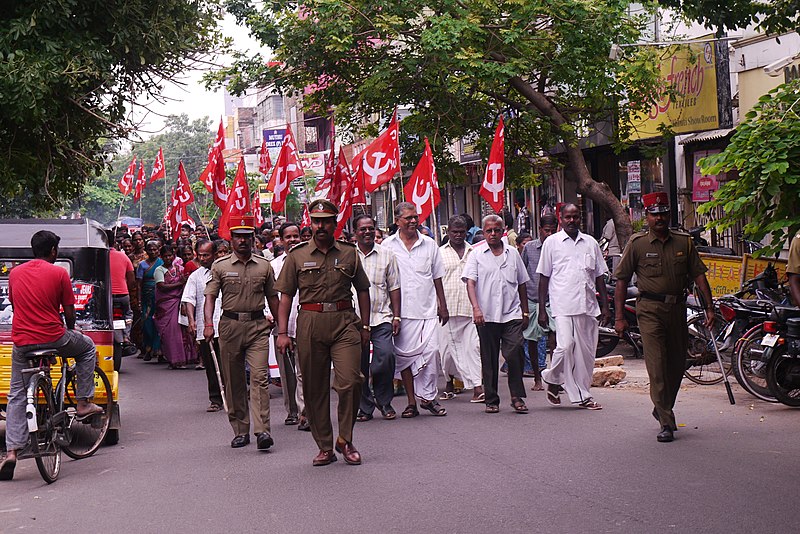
(460, 351)
(573, 358)
(417, 347)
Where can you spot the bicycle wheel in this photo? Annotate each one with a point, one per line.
(701, 361)
(43, 443)
(86, 436)
(750, 369)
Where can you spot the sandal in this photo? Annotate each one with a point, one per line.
(363, 417)
(213, 407)
(552, 396)
(492, 408)
(410, 411)
(434, 407)
(590, 405)
(478, 399)
(519, 405)
(447, 395)
(388, 412)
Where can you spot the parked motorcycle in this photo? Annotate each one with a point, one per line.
(608, 339)
(781, 344)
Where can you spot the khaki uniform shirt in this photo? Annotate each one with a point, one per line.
(322, 277)
(244, 285)
(793, 266)
(666, 267)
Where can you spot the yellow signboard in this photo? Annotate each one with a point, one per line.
(264, 194)
(690, 71)
(752, 267)
(724, 273)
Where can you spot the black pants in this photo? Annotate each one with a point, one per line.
(381, 369)
(493, 336)
(214, 394)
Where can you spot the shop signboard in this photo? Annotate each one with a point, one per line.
(274, 137)
(752, 267)
(691, 71)
(703, 186)
(314, 163)
(724, 273)
(634, 177)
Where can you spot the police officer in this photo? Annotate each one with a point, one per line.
(666, 263)
(245, 279)
(328, 329)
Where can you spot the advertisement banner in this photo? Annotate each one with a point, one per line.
(703, 186)
(634, 177)
(313, 163)
(690, 70)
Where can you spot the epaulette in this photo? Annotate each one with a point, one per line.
(347, 243)
(225, 257)
(680, 232)
(259, 257)
(639, 234)
(299, 245)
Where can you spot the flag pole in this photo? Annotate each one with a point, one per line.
(197, 211)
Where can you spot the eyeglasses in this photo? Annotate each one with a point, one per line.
(411, 218)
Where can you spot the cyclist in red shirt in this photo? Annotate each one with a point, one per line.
(37, 291)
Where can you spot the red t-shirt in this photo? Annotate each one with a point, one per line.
(190, 267)
(37, 290)
(119, 265)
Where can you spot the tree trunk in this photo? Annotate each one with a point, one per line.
(597, 191)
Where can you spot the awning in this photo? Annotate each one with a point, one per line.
(706, 136)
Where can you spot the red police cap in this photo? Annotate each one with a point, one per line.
(656, 202)
(242, 224)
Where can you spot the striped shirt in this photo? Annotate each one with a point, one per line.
(455, 290)
(380, 265)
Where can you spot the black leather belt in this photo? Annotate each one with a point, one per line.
(243, 316)
(666, 299)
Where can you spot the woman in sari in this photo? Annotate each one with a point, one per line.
(170, 280)
(145, 274)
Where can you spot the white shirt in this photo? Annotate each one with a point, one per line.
(419, 267)
(193, 294)
(572, 266)
(277, 266)
(497, 280)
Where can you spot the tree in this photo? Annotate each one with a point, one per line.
(182, 140)
(458, 64)
(765, 152)
(773, 17)
(69, 70)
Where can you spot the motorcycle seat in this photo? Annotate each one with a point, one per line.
(783, 313)
(633, 292)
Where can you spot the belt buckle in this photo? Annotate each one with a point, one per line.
(244, 316)
(329, 306)
(670, 299)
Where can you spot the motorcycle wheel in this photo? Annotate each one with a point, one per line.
(750, 367)
(779, 369)
(605, 344)
(702, 366)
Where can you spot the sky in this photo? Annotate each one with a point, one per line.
(191, 97)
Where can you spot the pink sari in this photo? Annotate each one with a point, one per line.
(168, 305)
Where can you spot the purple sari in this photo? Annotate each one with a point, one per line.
(168, 305)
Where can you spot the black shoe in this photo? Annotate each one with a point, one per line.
(291, 420)
(363, 417)
(240, 441)
(264, 441)
(304, 425)
(666, 435)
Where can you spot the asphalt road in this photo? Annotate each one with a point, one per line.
(731, 469)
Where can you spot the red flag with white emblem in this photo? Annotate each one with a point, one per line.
(495, 174)
(213, 176)
(306, 216)
(381, 159)
(330, 166)
(341, 179)
(238, 201)
(256, 206)
(264, 164)
(422, 188)
(353, 194)
(287, 168)
(183, 193)
(140, 183)
(159, 170)
(126, 182)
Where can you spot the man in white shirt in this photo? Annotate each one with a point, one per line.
(458, 339)
(572, 268)
(291, 379)
(384, 318)
(194, 299)
(417, 345)
(495, 278)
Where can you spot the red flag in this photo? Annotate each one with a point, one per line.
(354, 194)
(238, 201)
(495, 174)
(358, 188)
(287, 168)
(341, 179)
(256, 207)
(381, 159)
(306, 216)
(213, 176)
(330, 165)
(183, 193)
(140, 183)
(264, 164)
(126, 182)
(422, 188)
(158, 167)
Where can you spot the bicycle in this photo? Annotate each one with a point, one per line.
(53, 423)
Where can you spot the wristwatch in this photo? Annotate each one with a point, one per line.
(367, 327)
(398, 319)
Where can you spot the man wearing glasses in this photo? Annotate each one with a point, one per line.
(422, 295)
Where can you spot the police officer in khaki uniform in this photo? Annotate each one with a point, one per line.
(245, 279)
(666, 263)
(328, 329)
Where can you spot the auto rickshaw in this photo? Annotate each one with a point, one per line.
(83, 252)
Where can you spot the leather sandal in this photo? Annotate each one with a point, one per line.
(410, 411)
(519, 405)
(434, 407)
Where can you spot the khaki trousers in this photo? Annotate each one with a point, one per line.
(324, 338)
(240, 342)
